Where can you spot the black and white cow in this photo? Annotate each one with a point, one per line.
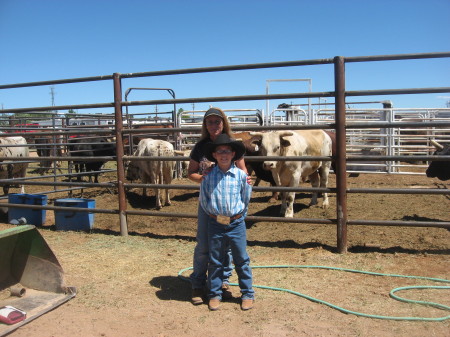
(440, 169)
(10, 170)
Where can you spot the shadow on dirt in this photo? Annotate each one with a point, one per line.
(138, 200)
(144, 235)
(171, 288)
(290, 244)
(4, 217)
(186, 196)
(396, 250)
(298, 196)
(415, 217)
(272, 211)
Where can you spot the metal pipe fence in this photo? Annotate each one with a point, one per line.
(340, 125)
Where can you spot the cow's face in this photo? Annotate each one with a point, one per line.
(273, 144)
(132, 171)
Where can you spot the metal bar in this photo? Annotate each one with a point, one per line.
(250, 218)
(397, 57)
(63, 158)
(307, 189)
(234, 67)
(288, 96)
(236, 98)
(58, 183)
(62, 81)
(443, 224)
(341, 164)
(400, 190)
(415, 125)
(406, 158)
(120, 153)
(374, 125)
(70, 209)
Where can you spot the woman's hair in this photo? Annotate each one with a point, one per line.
(226, 124)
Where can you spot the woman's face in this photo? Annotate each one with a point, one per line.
(214, 125)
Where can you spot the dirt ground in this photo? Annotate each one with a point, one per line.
(129, 286)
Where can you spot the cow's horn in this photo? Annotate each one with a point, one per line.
(436, 144)
(180, 153)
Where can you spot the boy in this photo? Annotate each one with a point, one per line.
(224, 196)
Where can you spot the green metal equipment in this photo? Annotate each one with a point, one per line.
(31, 278)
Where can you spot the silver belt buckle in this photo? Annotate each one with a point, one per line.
(223, 220)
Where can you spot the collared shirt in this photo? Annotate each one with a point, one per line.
(225, 193)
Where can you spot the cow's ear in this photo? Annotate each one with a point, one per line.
(256, 141)
(284, 142)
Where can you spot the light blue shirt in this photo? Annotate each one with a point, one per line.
(225, 193)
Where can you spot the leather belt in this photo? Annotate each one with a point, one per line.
(225, 220)
(231, 217)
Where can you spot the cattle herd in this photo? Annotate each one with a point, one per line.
(316, 143)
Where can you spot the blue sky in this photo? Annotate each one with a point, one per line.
(50, 39)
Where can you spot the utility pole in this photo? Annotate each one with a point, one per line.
(52, 94)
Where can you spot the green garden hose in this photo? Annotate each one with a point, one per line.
(392, 293)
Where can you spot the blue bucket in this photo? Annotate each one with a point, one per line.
(74, 220)
(33, 216)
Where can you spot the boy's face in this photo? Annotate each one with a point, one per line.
(223, 154)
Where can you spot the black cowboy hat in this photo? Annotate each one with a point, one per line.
(223, 139)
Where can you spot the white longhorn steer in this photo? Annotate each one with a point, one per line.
(153, 171)
(288, 173)
(9, 170)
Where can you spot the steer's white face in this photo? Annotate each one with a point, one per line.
(272, 145)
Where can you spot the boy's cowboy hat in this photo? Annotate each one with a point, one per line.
(223, 139)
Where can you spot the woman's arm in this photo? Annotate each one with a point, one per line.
(193, 171)
(240, 163)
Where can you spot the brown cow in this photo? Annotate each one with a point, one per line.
(44, 149)
(251, 149)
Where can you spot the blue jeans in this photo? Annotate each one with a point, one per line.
(221, 237)
(201, 254)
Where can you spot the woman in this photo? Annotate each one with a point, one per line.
(215, 122)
